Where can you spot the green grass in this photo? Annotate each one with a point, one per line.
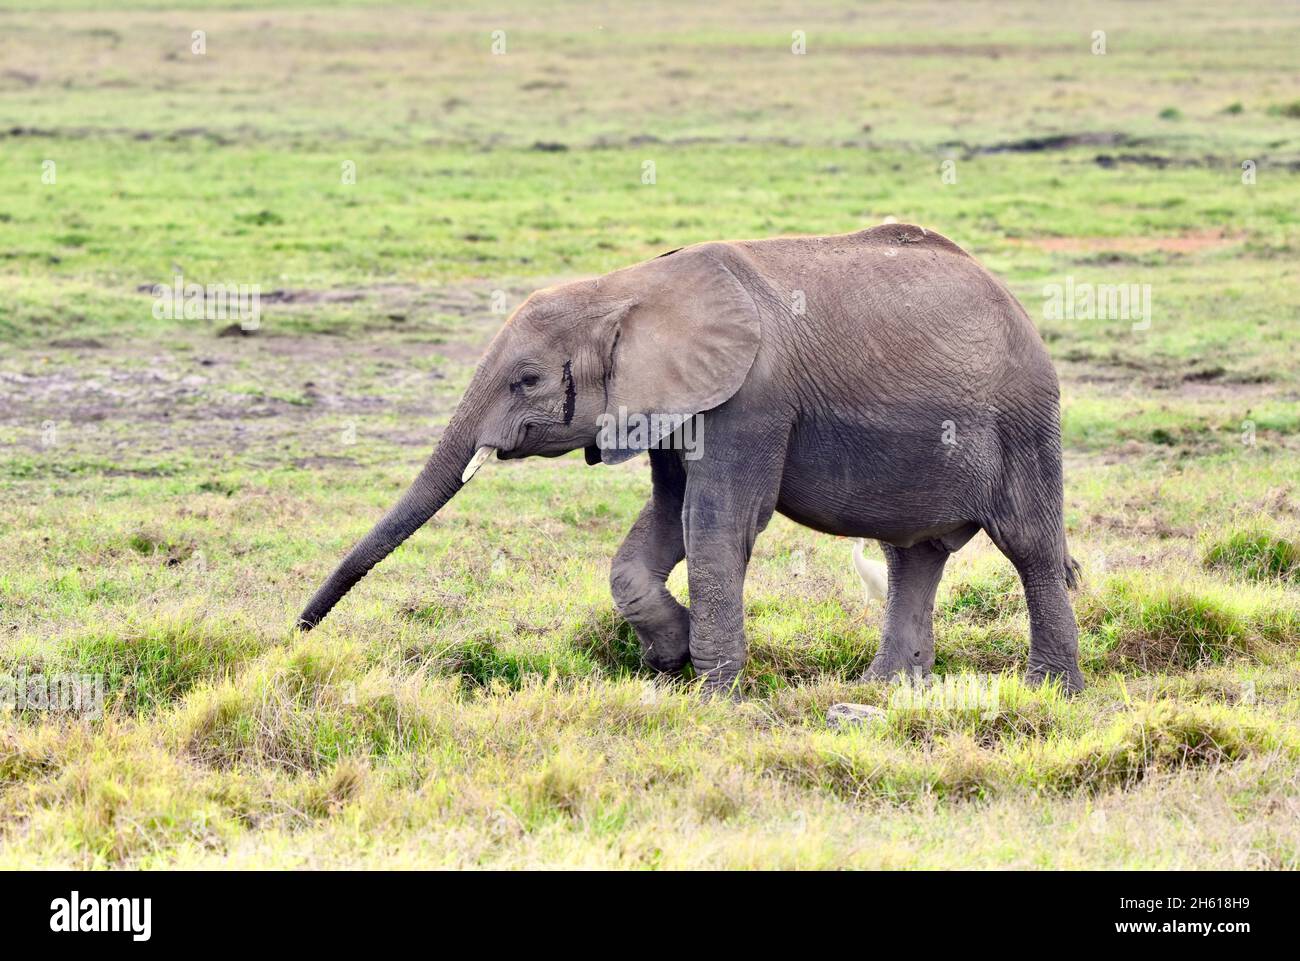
(169, 497)
(1257, 555)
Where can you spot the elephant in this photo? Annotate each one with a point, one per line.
(878, 384)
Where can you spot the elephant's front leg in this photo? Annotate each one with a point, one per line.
(641, 567)
(730, 497)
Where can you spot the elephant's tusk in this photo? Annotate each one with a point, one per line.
(475, 462)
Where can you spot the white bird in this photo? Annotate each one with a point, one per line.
(874, 574)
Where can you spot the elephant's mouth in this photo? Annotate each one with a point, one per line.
(520, 448)
(535, 440)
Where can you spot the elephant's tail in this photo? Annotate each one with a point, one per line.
(1073, 572)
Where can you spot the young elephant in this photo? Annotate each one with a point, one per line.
(877, 384)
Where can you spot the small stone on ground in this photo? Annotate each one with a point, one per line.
(843, 716)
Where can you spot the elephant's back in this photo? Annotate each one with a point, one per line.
(904, 301)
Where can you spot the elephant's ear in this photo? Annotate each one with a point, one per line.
(683, 343)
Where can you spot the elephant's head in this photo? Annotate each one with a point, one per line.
(672, 336)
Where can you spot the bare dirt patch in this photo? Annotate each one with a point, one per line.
(278, 397)
(1185, 243)
(993, 51)
(1118, 375)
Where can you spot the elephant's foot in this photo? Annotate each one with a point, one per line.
(906, 663)
(907, 640)
(722, 692)
(719, 679)
(663, 626)
(667, 655)
(1067, 675)
(665, 639)
(1053, 633)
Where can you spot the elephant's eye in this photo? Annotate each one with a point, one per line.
(525, 381)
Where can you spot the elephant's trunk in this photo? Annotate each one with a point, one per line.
(436, 484)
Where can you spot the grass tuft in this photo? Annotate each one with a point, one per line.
(995, 596)
(151, 543)
(304, 709)
(1159, 737)
(966, 764)
(610, 641)
(566, 784)
(1170, 625)
(150, 663)
(1257, 555)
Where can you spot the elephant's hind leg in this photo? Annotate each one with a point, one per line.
(1029, 529)
(907, 640)
(649, 553)
(1053, 633)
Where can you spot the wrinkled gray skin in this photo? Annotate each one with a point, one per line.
(879, 384)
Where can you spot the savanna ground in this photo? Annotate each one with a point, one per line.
(169, 496)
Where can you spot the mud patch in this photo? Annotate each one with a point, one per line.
(345, 295)
(1121, 375)
(1050, 142)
